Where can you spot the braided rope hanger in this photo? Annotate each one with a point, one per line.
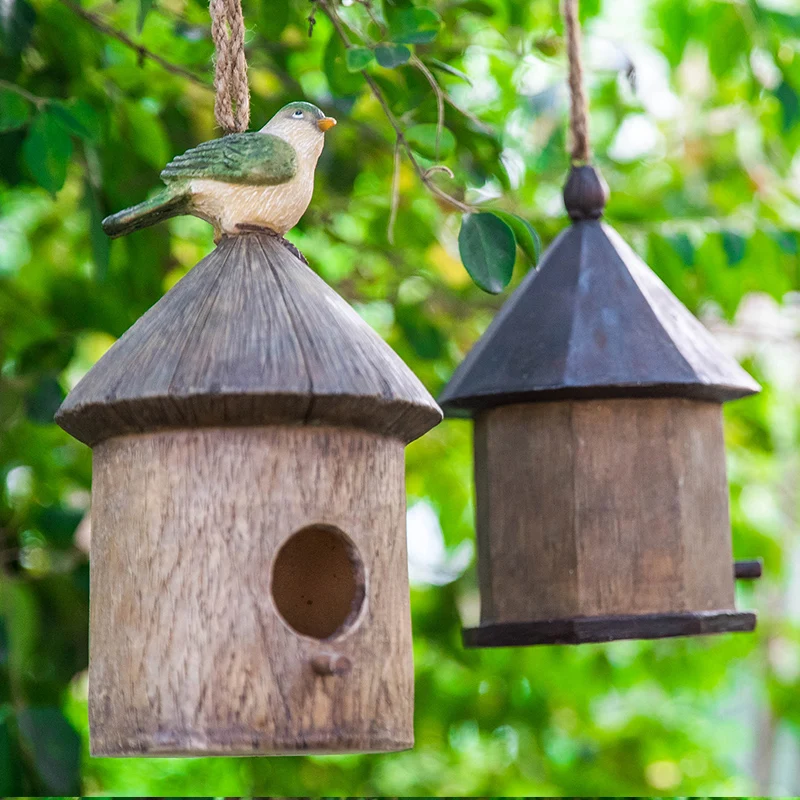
(579, 105)
(232, 100)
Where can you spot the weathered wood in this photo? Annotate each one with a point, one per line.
(602, 508)
(250, 336)
(593, 321)
(584, 630)
(189, 654)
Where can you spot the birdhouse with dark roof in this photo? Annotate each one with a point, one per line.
(249, 580)
(602, 499)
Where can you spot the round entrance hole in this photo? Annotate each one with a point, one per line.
(318, 581)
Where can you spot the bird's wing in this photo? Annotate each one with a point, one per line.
(256, 159)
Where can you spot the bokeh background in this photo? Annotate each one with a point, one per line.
(696, 124)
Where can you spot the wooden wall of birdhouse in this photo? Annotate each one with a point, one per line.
(249, 589)
(602, 499)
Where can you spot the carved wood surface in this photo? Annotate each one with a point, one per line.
(593, 321)
(250, 336)
(188, 652)
(598, 508)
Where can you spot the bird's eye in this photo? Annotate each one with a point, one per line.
(298, 114)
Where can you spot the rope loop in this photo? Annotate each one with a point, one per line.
(232, 101)
(579, 105)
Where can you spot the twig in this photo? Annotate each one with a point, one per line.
(423, 175)
(478, 123)
(395, 193)
(368, 6)
(440, 168)
(354, 30)
(401, 139)
(312, 20)
(101, 25)
(437, 90)
(31, 98)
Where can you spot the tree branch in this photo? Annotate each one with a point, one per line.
(422, 174)
(31, 98)
(437, 90)
(98, 23)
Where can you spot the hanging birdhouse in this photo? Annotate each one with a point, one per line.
(249, 590)
(602, 499)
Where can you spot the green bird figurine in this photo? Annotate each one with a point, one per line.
(261, 180)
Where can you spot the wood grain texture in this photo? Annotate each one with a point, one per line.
(602, 508)
(593, 321)
(188, 653)
(250, 336)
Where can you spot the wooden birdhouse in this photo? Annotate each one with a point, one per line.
(602, 499)
(249, 589)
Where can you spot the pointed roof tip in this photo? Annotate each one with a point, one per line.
(593, 321)
(250, 336)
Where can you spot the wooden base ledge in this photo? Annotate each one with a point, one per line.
(223, 743)
(583, 630)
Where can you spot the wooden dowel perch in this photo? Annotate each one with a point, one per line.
(748, 570)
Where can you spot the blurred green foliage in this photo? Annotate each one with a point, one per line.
(696, 123)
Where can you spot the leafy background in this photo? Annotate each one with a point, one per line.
(696, 123)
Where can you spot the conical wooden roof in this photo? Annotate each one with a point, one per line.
(251, 336)
(593, 321)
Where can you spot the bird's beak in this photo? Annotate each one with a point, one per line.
(326, 123)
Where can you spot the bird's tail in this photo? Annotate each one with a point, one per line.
(164, 205)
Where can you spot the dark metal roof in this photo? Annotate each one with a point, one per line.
(593, 321)
(251, 336)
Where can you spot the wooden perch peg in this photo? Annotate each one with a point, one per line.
(748, 570)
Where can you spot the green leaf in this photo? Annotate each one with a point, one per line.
(46, 355)
(144, 8)
(391, 6)
(84, 121)
(527, 239)
(42, 402)
(392, 55)
(359, 58)
(477, 7)
(456, 73)
(488, 250)
(790, 105)
(414, 25)
(10, 757)
(341, 81)
(424, 336)
(66, 117)
(673, 19)
(47, 150)
(17, 18)
(58, 524)
(734, 246)
(273, 17)
(423, 139)
(55, 748)
(588, 9)
(15, 111)
(683, 246)
(786, 240)
(147, 136)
